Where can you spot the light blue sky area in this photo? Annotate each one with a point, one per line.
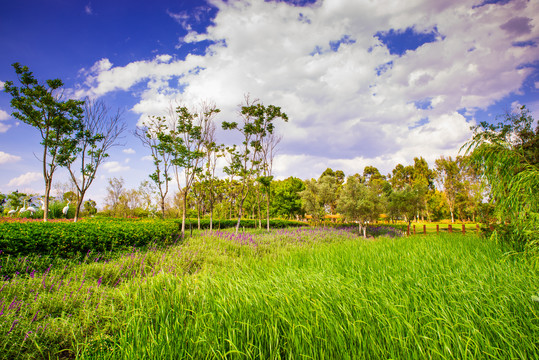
(363, 83)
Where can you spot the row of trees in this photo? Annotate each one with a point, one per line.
(183, 146)
(75, 134)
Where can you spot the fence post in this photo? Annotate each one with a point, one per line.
(408, 231)
(437, 229)
(414, 229)
(477, 228)
(463, 229)
(424, 229)
(450, 228)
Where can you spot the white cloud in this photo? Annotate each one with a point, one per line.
(25, 179)
(115, 166)
(147, 158)
(7, 158)
(88, 9)
(343, 109)
(128, 151)
(4, 116)
(2, 85)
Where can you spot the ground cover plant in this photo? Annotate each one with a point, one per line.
(303, 292)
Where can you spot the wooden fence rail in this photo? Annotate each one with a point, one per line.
(450, 229)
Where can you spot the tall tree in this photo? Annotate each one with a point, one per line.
(43, 107)
(257, 123)
(505, 155)
(269, 148)
(187, 143)
(89, 147)
(154, 136)
(359, 202)
(115, 190)
(448, 175)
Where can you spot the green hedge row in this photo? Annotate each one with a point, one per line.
(73, 239)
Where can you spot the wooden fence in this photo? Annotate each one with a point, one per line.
(451, 228)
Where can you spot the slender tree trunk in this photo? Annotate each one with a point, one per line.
(211, 218)
(240, 213)
(163, 206)
(77, 207)
(184, 208)
(198, 214)
(268, 213)
(47, 195)
(258, 204)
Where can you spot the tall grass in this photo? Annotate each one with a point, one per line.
(446, 297)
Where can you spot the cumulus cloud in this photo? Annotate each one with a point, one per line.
(147, 158)
(128, 151)
(25, 179)
(4, 116)
(7, 158)
(349, 99)
(115, 166)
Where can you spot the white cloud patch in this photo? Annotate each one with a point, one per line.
(115, 166)
(128, 151)
(4, 116)
(348, 99)
(88, 9)
(25, 179)
(2, 85)
(147, 158)
(8, 158)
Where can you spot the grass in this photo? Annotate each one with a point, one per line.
(301, 293)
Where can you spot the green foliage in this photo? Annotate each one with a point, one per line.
(505, 157)
(73, 239)
(41, 106)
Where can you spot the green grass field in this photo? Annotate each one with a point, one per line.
(293, 294)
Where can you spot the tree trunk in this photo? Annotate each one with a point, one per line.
(268, 213)
(163, 206)
(198, 214)
(240, 213)
(47, 195)
(211, 218)
(184, 208)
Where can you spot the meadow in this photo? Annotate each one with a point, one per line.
(293, 293)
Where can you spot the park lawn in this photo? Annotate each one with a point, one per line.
(446, 296)
(294, 293)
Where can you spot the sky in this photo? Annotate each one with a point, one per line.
(362, 82)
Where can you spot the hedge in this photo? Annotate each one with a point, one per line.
(73, 239)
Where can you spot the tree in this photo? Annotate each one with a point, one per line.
(505, 155)
(404, 202)
(269, 145)
(359, 202)
(115, 190)
(187, 142)
(257, 124)
(448, 175)
(42, 106)
(286, 197)
(90, 207)
(423, 183)
(310, 200)
(153, 136)
(212, 152)
(89, 147)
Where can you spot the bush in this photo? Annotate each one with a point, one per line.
(73, 240)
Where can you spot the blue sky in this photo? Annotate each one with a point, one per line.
(364, 83)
